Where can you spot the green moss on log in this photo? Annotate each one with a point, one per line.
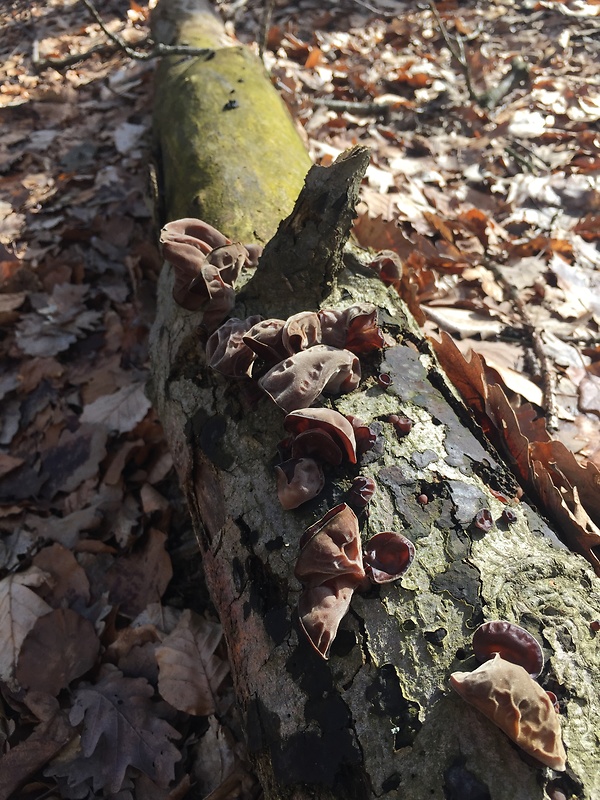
(227, 144)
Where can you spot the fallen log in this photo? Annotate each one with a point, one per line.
(378, 718)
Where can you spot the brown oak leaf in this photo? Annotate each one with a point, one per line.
(189, 671)
(120, 728)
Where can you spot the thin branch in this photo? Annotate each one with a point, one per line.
(265, 25)
(546, 367)
(156, 49)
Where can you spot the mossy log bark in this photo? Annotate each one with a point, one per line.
(378, 719)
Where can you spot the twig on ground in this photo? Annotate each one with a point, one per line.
(491, 97)
(156, 49)
(546, 367)
(368, 108)
(265, 25)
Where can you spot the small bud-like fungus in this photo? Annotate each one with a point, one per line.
(483, 520)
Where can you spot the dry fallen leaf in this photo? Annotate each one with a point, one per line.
(20, 608)
(67, 646)
(120, 728)
(190, 673)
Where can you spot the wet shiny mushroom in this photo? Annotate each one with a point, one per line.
(330, 568)
(298, 480)
(513, 643)
(387, 556)
(297, 381)
(328, 420)
(301, 331)
(354, 328)
(226, 351)
(508, 696)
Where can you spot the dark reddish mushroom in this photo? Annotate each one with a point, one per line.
(353, 328)
(328, 420)
(388, 266)
(484, 520)
(298, 480)
(297, 381)
(512, 642)
(225, 349)
(265, 338)
(363, 334)
(301, 331)
(330, 567)
(402, 425)
(365, 438)
(509, 516)
(384, 379)
(387, 556)
(206, 265)
(360, 493)
(317, 443)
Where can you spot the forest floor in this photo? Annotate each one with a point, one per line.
(482, 119)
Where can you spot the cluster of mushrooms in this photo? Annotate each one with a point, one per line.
(294, 361)
(505, 690)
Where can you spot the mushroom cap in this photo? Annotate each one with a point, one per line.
(225, 349)
(301, 331)
(363, 335)
(365, 438)
(360, 493)
(317, 443)
(512, 700)
(265, 338)
(298, 480)
(512, 642)
(193, 231)
(353, 328)
(387, 556)
(332, 422)
(330, 548)
(297, 381)
(321, 609)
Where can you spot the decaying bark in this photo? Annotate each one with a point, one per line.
(378, 719)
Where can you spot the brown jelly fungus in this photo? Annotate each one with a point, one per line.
(484, 520)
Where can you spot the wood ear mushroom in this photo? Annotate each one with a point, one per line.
(508, 696)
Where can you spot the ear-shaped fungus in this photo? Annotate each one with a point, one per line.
(387, 556)
(298, 480)
(225, 349)
(298, 381)
(388, 266)
(330, 567)
(316, 443)
(353, 328)
(206, 265)
(321, 609)
(510, 641)
(325, 419)
(513, 701)
(265, 338)
(301, 331)
(330, 548)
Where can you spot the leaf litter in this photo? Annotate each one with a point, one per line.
(476, 190)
